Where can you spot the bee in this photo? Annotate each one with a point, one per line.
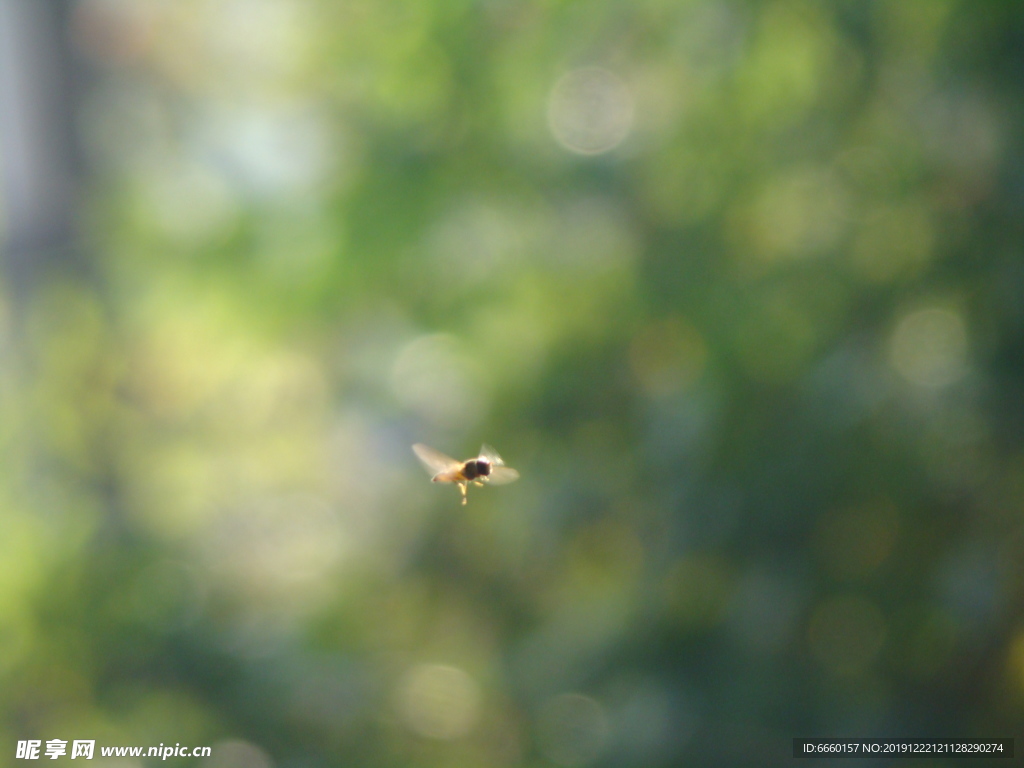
(480, 470)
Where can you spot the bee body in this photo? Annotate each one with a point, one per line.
(487, 468)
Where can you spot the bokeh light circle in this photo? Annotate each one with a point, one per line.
(439, 701)
(590, 111)
(929, 347)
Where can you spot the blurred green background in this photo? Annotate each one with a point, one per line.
(736, 286)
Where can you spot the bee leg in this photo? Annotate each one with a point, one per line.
(462, 487)
(478, 483)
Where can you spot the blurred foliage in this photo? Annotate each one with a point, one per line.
(737, 287)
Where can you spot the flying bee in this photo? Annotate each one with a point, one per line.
(487, 468)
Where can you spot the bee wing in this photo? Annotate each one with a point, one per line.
(501, 475)
(491, 455)
(435, 461)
